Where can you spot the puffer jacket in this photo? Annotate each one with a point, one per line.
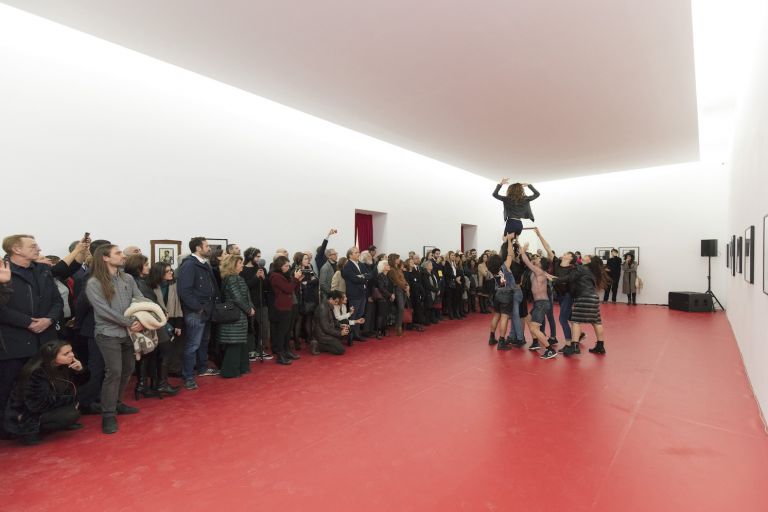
(43, 392)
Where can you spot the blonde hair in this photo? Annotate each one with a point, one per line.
(228, 265)
(12, 241)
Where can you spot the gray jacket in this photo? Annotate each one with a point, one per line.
(326, 276)
(109, 317)
(513, 210)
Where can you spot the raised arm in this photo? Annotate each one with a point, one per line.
(550, 252)
(535, 192)
(498, 187)
(524, 256)
(510, 250)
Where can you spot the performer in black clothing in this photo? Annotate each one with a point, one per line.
(517, 205)
(613, 268)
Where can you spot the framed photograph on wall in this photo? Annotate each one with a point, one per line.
(739, 254)
(425, 249)
(749, 255)
(765, 256)
(635, 251)
(728, 255)
(733, 255)
(604, 253)
(167, 251)
(217, 243)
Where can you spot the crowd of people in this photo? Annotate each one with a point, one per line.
(75, 330)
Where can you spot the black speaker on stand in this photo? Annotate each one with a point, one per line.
(709, 249)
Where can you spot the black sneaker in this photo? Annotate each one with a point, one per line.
(492, 339)
(548, 354)
(535, 345)
(503, 345)
(568, 350)
(209, 372)
(190, 385)
(599, 348)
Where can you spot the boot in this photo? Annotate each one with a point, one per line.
(492, 339)
(313, 348)
(634, 299)
(598, 348)
(568, 350)
(399, 330)
(629, 299)
(503, 344)
(283, 359)
(142, 390)
(291, 354)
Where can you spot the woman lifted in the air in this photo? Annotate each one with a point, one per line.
(517, 205)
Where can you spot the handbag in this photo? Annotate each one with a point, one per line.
(408, 315)
(638, 283)
(225, 313)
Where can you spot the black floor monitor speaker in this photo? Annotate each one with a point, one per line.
(690, 301)
(709, 248)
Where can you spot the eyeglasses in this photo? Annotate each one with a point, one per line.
(169, 271)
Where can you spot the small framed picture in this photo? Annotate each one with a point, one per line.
(217, 244)
(728, 255)
(635, 251)
(740, 254)
(604, 253)
(165, 251)
(733, 255)
(765, 256)
(749, 255)
(426, 249)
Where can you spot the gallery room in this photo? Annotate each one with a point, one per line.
(383, 256)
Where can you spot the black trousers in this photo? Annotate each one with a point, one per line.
(9, 372)
(281, 328)
(613, 289)
(59, 418)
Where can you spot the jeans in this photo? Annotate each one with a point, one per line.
(198, 333)
(119, 362)
(516, 325)
(566, 305)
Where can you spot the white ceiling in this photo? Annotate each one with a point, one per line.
(534, 89)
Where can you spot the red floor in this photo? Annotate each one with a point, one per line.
(437, 421)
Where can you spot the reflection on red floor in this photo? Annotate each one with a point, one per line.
(434, 421)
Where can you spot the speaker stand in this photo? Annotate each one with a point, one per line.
(709, 286)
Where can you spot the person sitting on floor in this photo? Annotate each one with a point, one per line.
(44, 398)
(328, 332)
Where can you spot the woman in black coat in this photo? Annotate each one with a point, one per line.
(44, 398)
(307, 297)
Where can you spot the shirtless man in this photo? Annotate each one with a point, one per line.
(540, 305)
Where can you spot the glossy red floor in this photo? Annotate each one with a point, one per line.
(435, 421)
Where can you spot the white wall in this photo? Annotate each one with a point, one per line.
(666, 211)
(96, 137)
(749, 203)
(99, 138)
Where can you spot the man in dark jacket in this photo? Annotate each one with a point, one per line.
(329, 334)
(355, 277)
(30, 316)
(613, 268)
(197, 290)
